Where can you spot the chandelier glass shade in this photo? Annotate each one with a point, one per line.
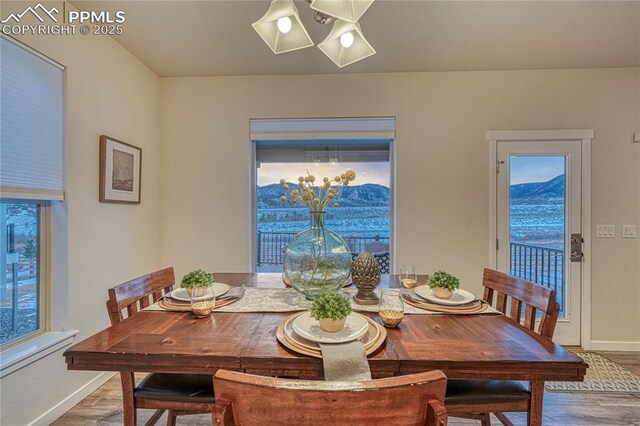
(281, 28)
(345, 10)
(345, 44)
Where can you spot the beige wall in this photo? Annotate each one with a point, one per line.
(442, 163)
(108, 91)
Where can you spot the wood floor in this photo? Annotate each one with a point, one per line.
(103, 407)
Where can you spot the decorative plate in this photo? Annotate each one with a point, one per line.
(370, 337)
(459, 297)
(181, 294)
(293, 345)
(354, 328)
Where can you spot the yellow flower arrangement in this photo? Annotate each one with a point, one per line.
(317, 198)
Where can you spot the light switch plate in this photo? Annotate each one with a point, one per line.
(605, 231)
(628, 231)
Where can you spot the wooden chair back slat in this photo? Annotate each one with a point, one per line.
(501, 305)
(488, 294)
(132, 309)
(530, 317)
(516, 310)
(144, 302)
(158, 294)
(134, 295)
(244, 399)
(522, 292)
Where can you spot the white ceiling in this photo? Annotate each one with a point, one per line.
(210, 38)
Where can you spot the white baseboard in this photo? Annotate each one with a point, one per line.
(603, 345)
(69, 402)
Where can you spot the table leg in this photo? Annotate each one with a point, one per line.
(128, 404)
(534, 417)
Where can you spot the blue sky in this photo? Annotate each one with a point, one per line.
(528, 168)
(365, 172)
(524, 169)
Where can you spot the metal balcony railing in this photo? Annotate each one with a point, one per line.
(544, 266)
(270, 246)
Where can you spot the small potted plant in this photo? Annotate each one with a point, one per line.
(331, 310)
(196, 279)
(443, 284)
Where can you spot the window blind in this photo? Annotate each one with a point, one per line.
(324, 151)
(31, 125)
(323, 128)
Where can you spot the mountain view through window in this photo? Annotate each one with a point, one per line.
(362, 216)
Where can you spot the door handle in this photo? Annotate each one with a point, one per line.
(576, 248)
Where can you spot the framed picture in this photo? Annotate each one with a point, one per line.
(120, 171)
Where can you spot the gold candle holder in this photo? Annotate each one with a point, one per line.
(391, 318)
(203, 300)
(202, 309)
(391, 308)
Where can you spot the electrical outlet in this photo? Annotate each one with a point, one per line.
(628, 231)
(605, 231)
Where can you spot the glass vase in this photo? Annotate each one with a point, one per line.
(317, 260)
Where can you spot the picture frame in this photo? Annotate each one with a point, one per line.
(120, 171)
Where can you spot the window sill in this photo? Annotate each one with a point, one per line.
(19, 356)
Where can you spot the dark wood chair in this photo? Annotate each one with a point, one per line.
(180, 394)
(247, 400)
(478, 398)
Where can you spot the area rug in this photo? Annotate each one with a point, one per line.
(603, 375)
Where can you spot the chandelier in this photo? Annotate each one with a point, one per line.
(283, 31)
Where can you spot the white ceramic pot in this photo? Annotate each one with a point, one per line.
(332, 326)
(442, 293)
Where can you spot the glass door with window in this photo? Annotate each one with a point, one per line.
(539, 222)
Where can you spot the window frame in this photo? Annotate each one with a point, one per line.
(44, 272)
(252, 222)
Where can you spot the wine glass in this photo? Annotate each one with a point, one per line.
(408, 277)
(203, 300)
(391, 308)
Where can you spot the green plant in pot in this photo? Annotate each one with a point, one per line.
(331, 310)
(195, 280)
(443, 284)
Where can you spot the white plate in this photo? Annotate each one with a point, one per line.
(354, 328)
(459, 297)
(181, 294)
(372, 334)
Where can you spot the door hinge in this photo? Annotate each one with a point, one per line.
(497, 244)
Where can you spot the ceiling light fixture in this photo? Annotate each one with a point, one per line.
(345, 44)
(283, 31)
(281, 28)
(345, 10)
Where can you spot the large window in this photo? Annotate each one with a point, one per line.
(31, 177)
(22, 291)
(363, 215)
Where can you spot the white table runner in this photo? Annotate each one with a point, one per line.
(289, 300)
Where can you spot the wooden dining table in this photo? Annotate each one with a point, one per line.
(483, 346)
